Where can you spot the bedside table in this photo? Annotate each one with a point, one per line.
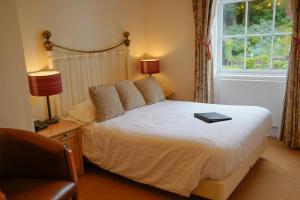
(168, 94)
(67, 133)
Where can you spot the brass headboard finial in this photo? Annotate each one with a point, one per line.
(126, 41)
(47, 43)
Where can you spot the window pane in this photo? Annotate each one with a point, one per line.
(281, 51)
(283, 21)
(260, 17)
(234, 18)
(258, 52)
(233, 53)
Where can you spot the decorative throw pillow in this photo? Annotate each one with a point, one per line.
(129, 95)
(150, 89)
(106, 101)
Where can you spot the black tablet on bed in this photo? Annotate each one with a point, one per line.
(211, 117)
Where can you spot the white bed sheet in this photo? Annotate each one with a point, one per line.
(163, 145)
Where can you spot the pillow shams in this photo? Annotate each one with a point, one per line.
(150, 89)
(129, 95)
(106, 101)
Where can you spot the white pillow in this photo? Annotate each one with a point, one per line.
(84, 112)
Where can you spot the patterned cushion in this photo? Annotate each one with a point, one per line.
(150, 89)
(129, 95)
(106, 101)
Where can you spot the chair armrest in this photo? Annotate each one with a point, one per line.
(29, 155)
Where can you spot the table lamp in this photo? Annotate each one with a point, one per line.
(150, 66)
(45, 83)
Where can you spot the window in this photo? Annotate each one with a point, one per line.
(254, 35)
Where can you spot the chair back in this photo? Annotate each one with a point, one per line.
(22, 154)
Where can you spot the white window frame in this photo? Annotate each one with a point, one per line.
(221, 37)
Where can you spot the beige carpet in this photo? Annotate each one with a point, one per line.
(276, 176)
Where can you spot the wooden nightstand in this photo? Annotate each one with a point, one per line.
(67, 133)
(168, 94)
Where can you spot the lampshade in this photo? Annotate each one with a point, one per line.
(150, 66)
(45, 83)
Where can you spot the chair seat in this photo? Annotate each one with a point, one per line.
(40, 189)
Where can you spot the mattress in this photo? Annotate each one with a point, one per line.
(163, 145)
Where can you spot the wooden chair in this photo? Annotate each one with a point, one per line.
(34, 167)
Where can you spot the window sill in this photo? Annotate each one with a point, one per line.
(259, 77)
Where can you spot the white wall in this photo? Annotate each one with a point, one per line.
(169, 33)
(15, 109)
(83, 24)
(162, 29)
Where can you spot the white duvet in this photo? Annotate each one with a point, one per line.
(163, 145)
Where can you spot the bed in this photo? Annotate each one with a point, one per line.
(162, 144)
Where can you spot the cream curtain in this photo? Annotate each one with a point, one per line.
(204, 11)
(290, 127)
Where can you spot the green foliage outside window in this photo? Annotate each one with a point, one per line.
(258, 48)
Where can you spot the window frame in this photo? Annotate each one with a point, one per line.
(221, 37)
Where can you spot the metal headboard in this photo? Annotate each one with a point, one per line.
(81, 69)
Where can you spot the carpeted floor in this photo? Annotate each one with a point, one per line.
(276, 176)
